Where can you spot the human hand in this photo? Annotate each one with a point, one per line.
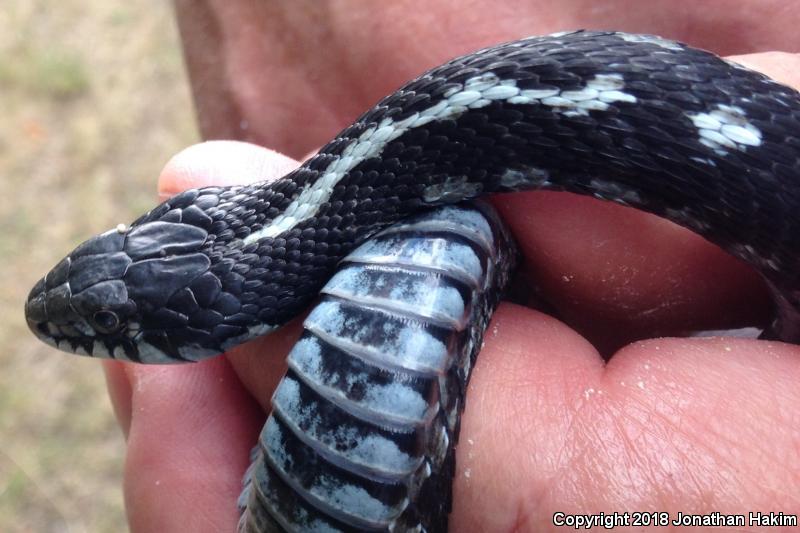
(672, 424)
(289, 75)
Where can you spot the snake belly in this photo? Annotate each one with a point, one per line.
(364, 424)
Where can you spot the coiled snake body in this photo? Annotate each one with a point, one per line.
(373, 397)
(634, 119)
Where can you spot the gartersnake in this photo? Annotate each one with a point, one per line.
(634, 119)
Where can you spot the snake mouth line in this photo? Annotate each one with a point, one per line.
(66, 338)
(77, 336)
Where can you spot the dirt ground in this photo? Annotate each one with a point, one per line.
(94, 100)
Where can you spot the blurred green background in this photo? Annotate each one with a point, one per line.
(94, 101)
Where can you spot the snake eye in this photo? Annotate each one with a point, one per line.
(106, 321)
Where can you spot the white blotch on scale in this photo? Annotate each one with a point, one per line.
(704, 161)
(650, 39)
(686, 217)
(724, 128)
(561, 33)
(453, 189)
(475, 93)
(597, 95)
(612, 191)
(532, 177)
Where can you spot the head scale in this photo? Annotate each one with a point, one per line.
(159, 291)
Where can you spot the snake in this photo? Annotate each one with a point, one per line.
(372, 400)
(639, 120)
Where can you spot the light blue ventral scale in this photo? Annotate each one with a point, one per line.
(364, 423)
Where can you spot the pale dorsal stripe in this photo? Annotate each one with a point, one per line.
(479, 91)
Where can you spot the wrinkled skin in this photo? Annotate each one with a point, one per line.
(667, 424)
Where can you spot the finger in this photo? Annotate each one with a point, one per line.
(190, 433)
(221, 163)
(548, 427)
(519, 403)
(618, 274)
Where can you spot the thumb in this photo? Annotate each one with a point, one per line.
(221, 163)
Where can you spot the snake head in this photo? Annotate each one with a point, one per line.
(147, 293)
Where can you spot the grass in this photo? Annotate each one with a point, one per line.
(94, 102)
(46, 72)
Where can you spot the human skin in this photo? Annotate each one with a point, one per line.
(575, 415)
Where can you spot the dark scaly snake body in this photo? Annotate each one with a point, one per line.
(634, 119)
(364, 425)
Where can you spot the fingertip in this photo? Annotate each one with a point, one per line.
(221, 163)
